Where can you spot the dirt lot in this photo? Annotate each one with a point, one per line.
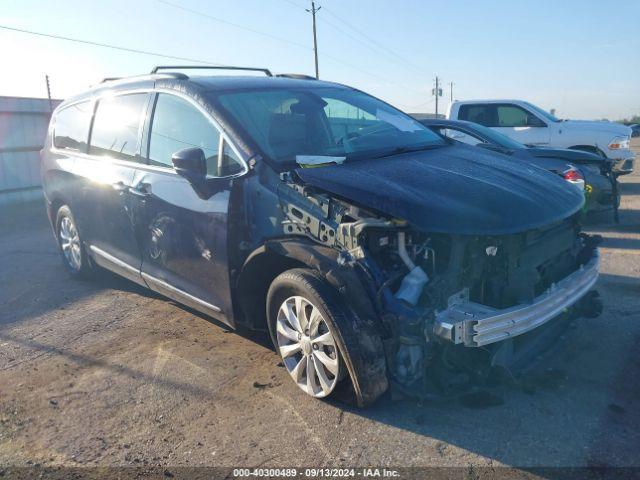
(106, 373)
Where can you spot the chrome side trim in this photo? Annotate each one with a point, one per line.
(476, 325)
(171, 292)
(116, 265)
(108, 261)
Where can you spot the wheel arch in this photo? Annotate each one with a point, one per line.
(365, 357)
(54, 202)
(259, 270)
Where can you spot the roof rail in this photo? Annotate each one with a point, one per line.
(300, 76)
(178, 75)
(205, 67)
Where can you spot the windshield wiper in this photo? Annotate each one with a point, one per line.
(400, 150)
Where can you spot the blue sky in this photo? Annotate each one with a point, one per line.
(580, 57)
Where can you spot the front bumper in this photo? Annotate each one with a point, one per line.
(600, 191)
(623, 161)
(475, 325)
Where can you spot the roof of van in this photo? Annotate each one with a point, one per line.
(205, 82)
(219, 82)
(499, 100)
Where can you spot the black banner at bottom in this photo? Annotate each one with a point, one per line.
(399, 473)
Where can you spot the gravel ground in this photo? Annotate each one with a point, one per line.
(104, 373)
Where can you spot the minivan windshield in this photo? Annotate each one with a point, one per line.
(318, 124)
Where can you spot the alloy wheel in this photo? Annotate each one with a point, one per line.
(308, 348)
(70, 243)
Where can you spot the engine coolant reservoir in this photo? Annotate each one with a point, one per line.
(412, 285)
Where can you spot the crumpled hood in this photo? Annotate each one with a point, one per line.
(597, 126)
(452, 189)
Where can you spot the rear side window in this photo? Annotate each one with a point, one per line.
(177, 124)
(116, 126)
(482, 114)
(71, 127)
(461, 136)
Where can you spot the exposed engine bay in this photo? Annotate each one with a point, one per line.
(448, 302)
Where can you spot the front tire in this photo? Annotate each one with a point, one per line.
(300, 311)
(74, 256)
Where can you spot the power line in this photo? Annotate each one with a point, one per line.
(188, 59)
(420, 105)
(325, 54)
(356, 39)
(106, 45)
(233, 24)
(162, 55)
(374, 48)
(347, 34)
(375, 42)
(291, 2)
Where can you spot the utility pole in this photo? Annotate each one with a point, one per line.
(451, 91)
(315, 36)
(46, 77)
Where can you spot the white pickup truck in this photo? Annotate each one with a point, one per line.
(532, 125)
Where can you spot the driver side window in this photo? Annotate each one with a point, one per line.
(178, 124)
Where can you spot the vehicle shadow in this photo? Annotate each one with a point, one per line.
(259, 337)
(91, 361)
(40, 285)
(603, 222)
(621, 243)
(630, 188)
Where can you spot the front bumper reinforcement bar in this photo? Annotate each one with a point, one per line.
(475, 325)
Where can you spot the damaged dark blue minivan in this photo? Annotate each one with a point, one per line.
(375, 252)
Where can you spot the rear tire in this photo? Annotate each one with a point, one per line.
(301, 309)
(72, 251)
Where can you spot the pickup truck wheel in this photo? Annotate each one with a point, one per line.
(300, 311)
(74, 256)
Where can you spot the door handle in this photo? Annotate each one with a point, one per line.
(119, 187)
(141, 190)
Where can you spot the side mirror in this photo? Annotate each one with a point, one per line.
(191, 164)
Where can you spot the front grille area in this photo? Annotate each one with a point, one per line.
(524, 265)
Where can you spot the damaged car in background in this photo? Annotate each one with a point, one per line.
(591, 172)
(375, 253)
